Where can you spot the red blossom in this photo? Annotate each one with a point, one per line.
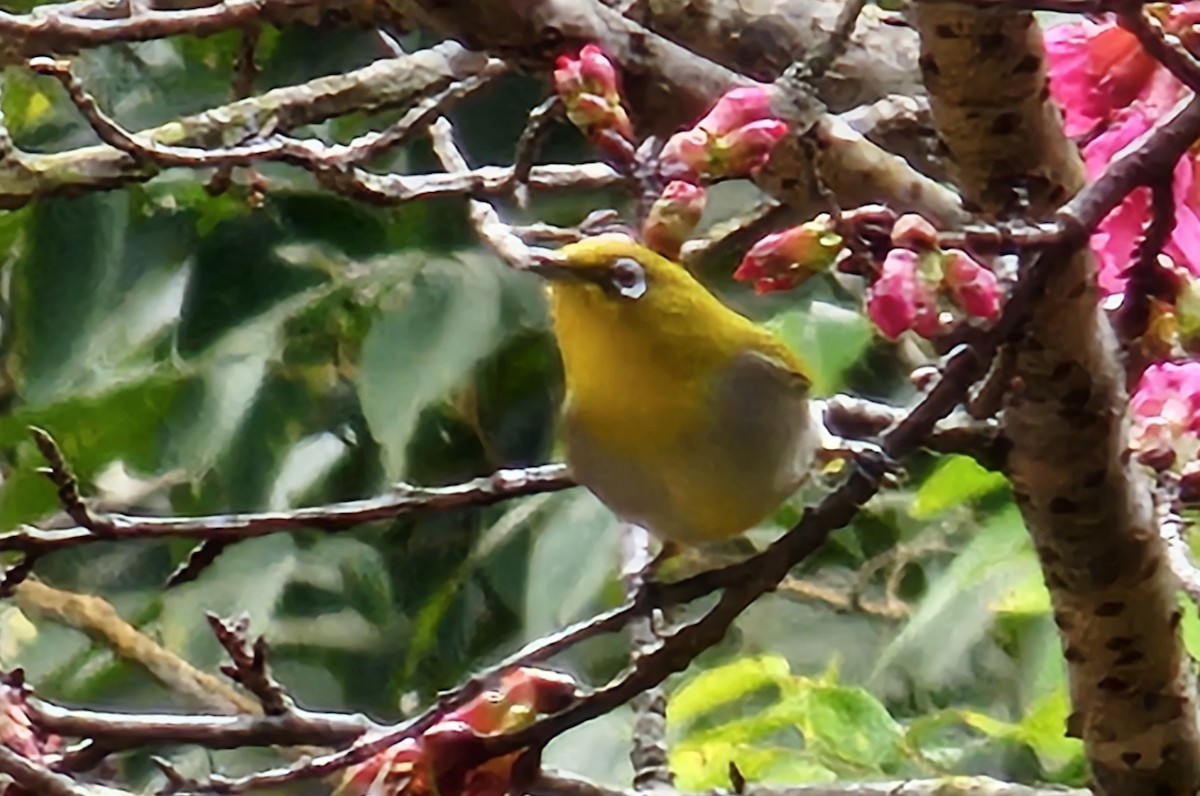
(438, 763)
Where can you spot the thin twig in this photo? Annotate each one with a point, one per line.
(37, 779)
(541, 122)
(100, 621)
(249, 666)
(1162, 46)
(829, 49)
(401, 500)
(495, 233)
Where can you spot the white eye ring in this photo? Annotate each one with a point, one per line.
(628, 277)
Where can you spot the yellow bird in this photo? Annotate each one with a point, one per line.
(681, 415)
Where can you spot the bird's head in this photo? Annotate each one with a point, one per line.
(612, 273)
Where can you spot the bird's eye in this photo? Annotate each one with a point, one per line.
(628, 278)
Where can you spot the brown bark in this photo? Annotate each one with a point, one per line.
(1087, 509)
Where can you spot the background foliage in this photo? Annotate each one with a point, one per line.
(198, 353)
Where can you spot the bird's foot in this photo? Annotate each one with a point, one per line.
(867, 455)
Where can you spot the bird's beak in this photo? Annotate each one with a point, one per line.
(552, 266)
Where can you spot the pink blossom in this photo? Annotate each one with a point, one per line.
(783, 260)
(588, 73)
(17, 731)
(901, 299)
(1116, 236)
(1093, 69)
(1102, 78)
(971, 285)
(673, 216)
(1166, 410)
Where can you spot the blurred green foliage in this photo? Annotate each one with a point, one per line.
(197, 354)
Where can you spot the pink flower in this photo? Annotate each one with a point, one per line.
(733, 139)
(591, 91)
(1102, 78)
(1166, 412)
(783, 260)
(1093, 69)
(589, 73)
(441, 761)
(901, 299)
(972, 286)
(1117, 235)
(673, 216)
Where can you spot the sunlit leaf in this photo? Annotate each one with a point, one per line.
(956, 480)
(723, 684)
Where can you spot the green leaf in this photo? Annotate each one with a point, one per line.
(416, 353)
(92, 430)
(707, 767)
(954, 616)
(239, 275)
(1190, 626)
(849, 725)
(724, 684)
(63, 284)
(572, 562)
(828, 338)
(956, 480)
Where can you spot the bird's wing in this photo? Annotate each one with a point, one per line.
(764, 412)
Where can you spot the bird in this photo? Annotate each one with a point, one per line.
(680, 414)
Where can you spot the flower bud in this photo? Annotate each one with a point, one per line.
(672, 217)
(590, 90)
(737, 108)
(785, 259)
(901, 299)
(972, 286)
(912, 231)
(733, 139)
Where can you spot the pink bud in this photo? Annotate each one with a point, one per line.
(783, 260)
(737, 108)
(900, 299)
(673, 216)
(747, 149)
(685, 155)
(911, 231)
(588, 73)
(972, 286)
(590, 90)
(599, 75)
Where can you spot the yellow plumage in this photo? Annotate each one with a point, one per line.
(681, 415)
